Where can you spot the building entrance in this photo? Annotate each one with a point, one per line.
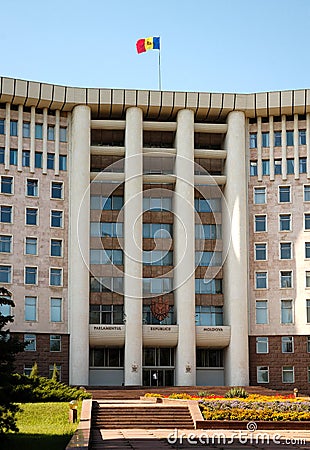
(158, 366)
(158, 377)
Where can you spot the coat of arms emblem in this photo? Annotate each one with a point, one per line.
(160, 308)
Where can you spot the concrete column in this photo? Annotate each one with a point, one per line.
(271, 149)
(259, 150)
(32, 138)
(284, 162)
(236, 264)
(20, 139)
(133, 265)
(7, 136)
(184, 250)
(57, 124)
(308, 145)
(44, 140)
(78, 282)
(296, 155)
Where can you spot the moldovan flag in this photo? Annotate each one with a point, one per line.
(150, 43)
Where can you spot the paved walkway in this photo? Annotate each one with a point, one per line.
(137, 439)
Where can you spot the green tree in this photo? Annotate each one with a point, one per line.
(55, 375)
(9, 347)
(34, 371)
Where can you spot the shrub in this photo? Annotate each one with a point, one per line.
(40, 389)
(236, 392)
(150, 394)
(182, 396)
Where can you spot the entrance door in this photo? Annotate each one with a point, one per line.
(158, 377)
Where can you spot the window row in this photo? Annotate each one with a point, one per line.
(285, 249)
(288, 374)
(56, 216)
(31, 245)
(51, 133)
(290, 167)
(285, 222)
(277, 135)
(286, 311)
(32, 187)
(31, 341)
(31, 275)
(287, 344)
(31, 305)
(261, 279)
(38, 159)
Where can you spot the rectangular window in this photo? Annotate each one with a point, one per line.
(285, 222)
(260, 223)
(32, 187)
(265, 139)
(38, 160)
(26, 158)
(1, 155)
(307, 250)
(50, 133)
(13, 157)
(63, 134)
(290, 166)
(253, 140)
(158, 203)
(302, 137)
(306, 193)
(285, 250)
(31, 275)
(56, 219)
(5, 274)
(277, 167)
(55, 343)
(26, 129)
(290, 138)
(284, 194)
(266, 167)
(5, 310)
(286, 311)
(13, 128)
(262, 374)
(31, 309)
(6, 185)
(209, 315)
(259, 195)
(206, 286)
(106, 229)
(307, 279)
(31, 216)
(288, 374)
(5, 244)
(56, 247)
(56, 309)
(308, 310)
(2, 126)
(287, 344)
(31, 246)
(39, 131)
(5, 214)
(261, 280)
(277, 138)
(205, 259)
(260, 252)
(56, 277)
(62, 162)
(51, 161)
(261, 311)
(307, 221)
(31, 341)
(286, 279)
(58, 371)
(106, 314)
(107, 284)
(57, 190)
(262, 345)
(302, 165)
(253, 168)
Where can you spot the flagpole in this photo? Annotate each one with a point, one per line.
(159, 71)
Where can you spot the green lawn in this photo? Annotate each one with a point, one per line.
(41, 426)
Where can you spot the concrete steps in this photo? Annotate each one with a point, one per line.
(143, 416)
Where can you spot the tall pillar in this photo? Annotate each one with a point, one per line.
(184, 250)
(78, 277)
(133, 266)
(236, 265)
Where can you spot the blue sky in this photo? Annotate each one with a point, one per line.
(206, 45)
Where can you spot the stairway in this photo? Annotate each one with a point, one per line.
(139, 415)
